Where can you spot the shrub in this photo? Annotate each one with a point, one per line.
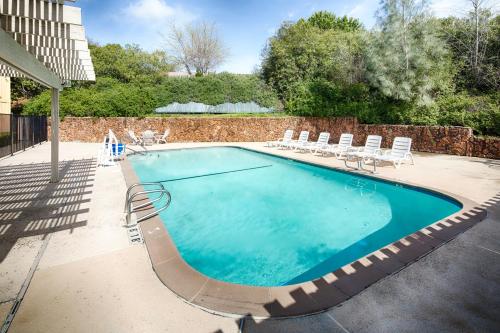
(324, 99)
(109, 97)
(482, 113)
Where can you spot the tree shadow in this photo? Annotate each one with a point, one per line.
(31, 206)
(490, 163)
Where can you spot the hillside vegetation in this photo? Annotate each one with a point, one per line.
(408, 69)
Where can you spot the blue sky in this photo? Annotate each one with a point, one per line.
(244, 25)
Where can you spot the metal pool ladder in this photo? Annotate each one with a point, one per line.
(158, 188)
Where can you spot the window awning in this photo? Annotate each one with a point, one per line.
(49, 31)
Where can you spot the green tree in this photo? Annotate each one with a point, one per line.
(406, 59)
(23, 90)
(305, 51)
(329, 21)
(475, 45)
(128, 63)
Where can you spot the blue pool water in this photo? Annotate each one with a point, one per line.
(244, 217)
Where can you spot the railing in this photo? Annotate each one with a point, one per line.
(20, 132)
(130, 197)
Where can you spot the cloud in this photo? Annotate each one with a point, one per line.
(154, 12)
(445, 8)
(365, 12)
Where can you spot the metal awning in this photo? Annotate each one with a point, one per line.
(44, 40)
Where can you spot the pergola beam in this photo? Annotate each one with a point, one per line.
(44, 40)
(16, 56)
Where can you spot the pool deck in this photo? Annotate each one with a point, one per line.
(87, 277)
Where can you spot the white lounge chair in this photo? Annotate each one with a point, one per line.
(303, 137)
(363, 154)
(135, 140)
(399, 153)
(287, 137)
(322, 142)
(339, 149)
(162, 138)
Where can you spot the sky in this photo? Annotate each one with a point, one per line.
(243, 25)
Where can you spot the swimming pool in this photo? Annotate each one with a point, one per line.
(249, 218)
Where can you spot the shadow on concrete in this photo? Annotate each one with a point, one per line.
(343, 284)
(31, 206)
(490, 163)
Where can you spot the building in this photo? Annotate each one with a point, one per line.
(4, 95)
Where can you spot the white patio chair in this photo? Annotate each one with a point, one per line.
(363, 154)
(135, 140)
(339, 149)
(148, 138)
(322, 142)
(162, 138)
(287, 137)
(303, 137)
(399, 153)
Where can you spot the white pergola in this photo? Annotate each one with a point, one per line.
(44, 40)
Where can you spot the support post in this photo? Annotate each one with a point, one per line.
(54, 137)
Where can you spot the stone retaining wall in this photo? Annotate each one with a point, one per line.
(200, 129)
(434, 139)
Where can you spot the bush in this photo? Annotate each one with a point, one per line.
(109, 97)
(482, 113)
(215, 89)
(322, 98)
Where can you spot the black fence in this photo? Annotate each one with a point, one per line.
(21, 132)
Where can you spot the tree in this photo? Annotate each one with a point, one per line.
(310, 49)
(406, 59)
(475, 46)
(128, 63)
(196, 47)
(327, 21)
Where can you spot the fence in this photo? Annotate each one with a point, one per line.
(20, 132)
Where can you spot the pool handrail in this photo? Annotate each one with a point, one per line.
(129, 209)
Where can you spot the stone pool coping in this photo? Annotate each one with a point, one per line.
(304, 298)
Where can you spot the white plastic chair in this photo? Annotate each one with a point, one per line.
(303, 137)
(148, 138)
(339, 149)
(162, 138)
(322, 142)
(368, 152)
(287, 137)
(133, 138)
(399, 153)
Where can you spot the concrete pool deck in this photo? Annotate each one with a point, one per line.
(89, 278)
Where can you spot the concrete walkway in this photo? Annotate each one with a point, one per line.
(87, 277)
